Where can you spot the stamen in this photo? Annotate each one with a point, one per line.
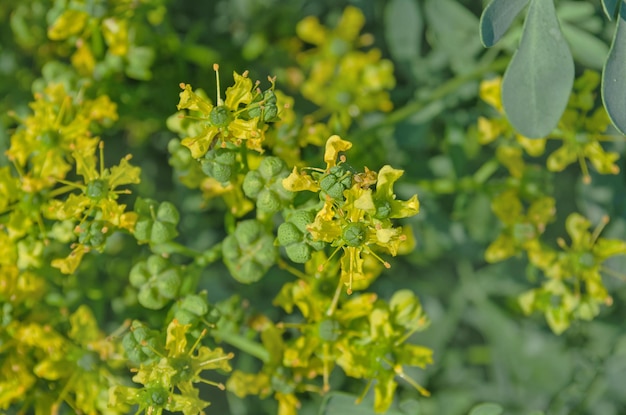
(216, 68)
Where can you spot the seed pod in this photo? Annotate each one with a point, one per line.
(288, 233)
(220, 116)
(298, 252)
(97, 189)
(302, 218)
(252, 184)
(271, 167)
(354, 234)
(328, 330)
(383, 209)
(268, 201)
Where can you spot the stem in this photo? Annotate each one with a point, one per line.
(172, 247)
(442, 91)
(333, 305)
(282, 264)
(243, 343)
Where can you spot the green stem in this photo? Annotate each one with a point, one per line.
(243, 343)
(172, 247)
(442, 91)
(210, 255)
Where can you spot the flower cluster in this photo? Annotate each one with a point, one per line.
(355, 217)
(75, 358)
(168, 379)
(365, 336)
(343, 80)
(581, 130)
(574, 288)
(102, 38)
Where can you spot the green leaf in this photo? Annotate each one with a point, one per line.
(487, 408)
(497, 18)
(613, 79)
(459, 45)
(403, 29)
(539, 79)
(611, 8)
(586, 48)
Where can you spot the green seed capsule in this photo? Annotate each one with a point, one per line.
(288, 233)
(268, 201)
(195, 304)
(301, 219)
(271, 167)
(97, 189)
(252, 184)
(298, 252)
(383, 210)
(328, 330)
(220, 116)
(354, 234)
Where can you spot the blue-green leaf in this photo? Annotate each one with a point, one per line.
(496, 19)
(586, 48)
(539, 79)
(614, 76)
(403, 29)
(610, 8)
(487, 408)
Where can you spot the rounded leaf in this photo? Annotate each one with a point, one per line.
(539, 79)
(613, 79)
(496, 19)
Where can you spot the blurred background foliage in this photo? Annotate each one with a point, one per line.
(485, 349)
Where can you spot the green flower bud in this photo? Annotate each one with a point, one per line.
(298, 252)
(288, 233)
(252, 184)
